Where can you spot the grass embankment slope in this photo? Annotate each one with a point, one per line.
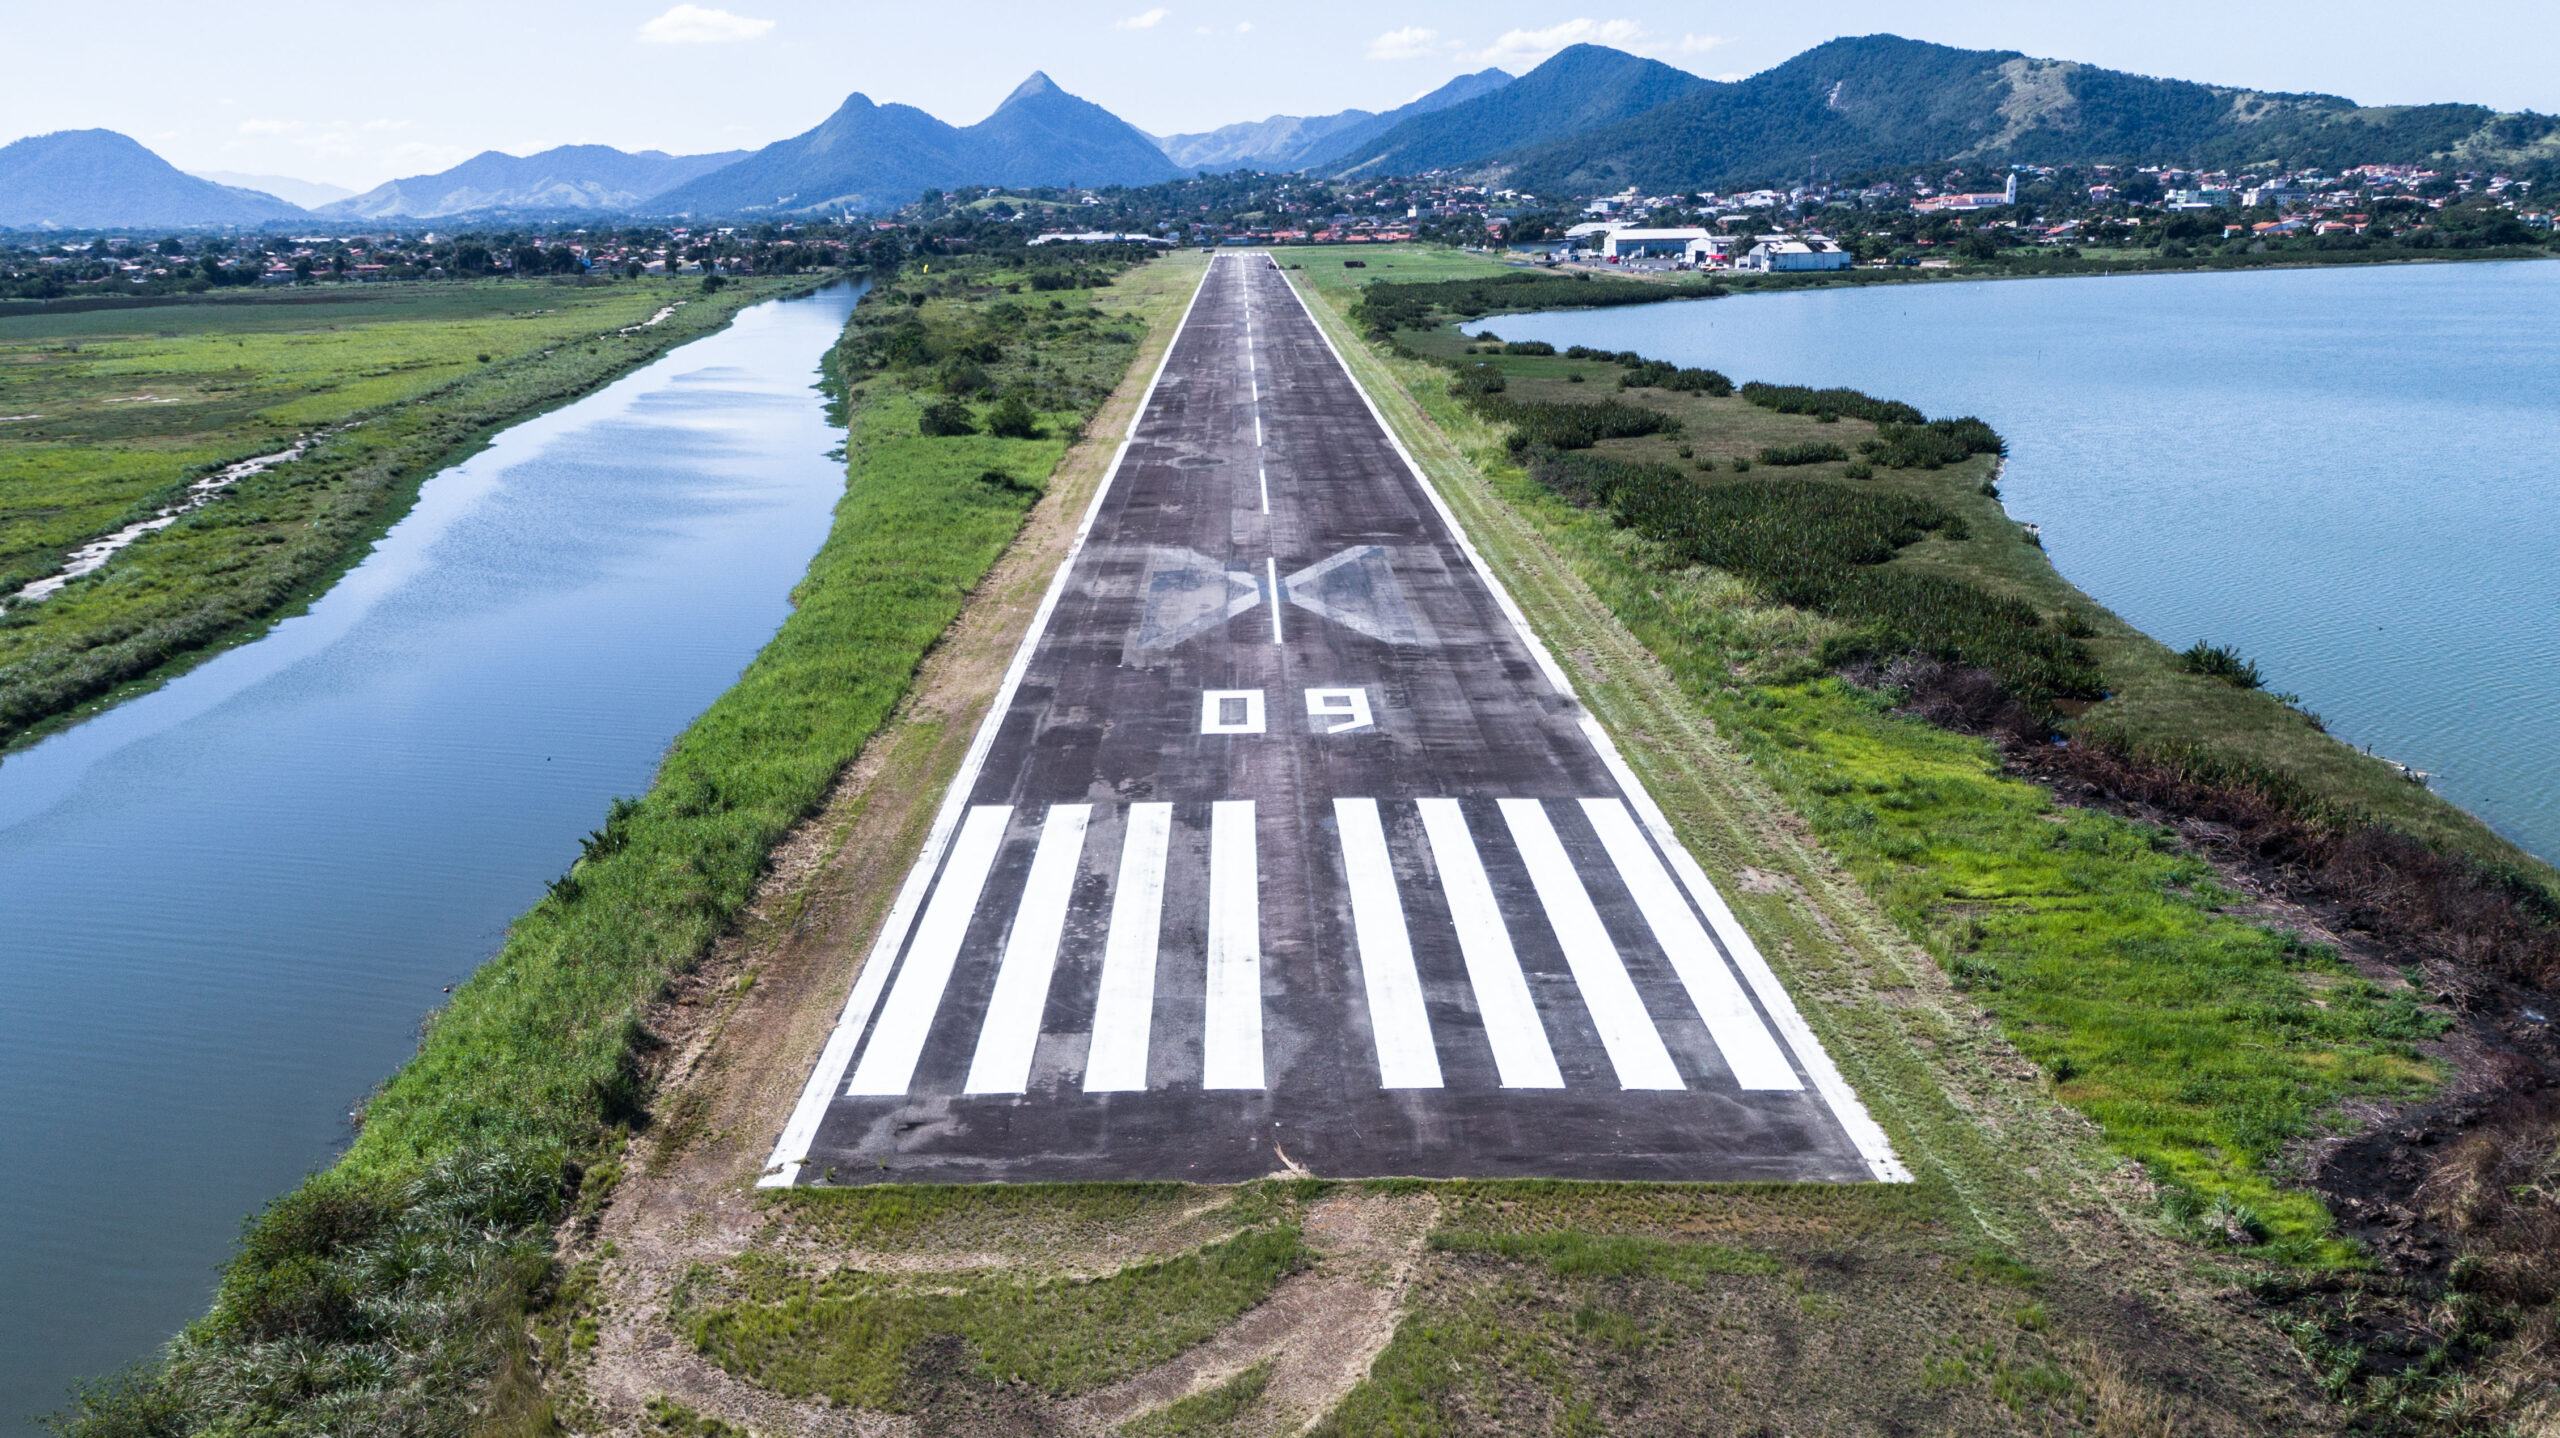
(387, 1294)
(1760, 554)
(112, 413)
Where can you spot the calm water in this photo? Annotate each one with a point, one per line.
(225, 906)
(2350, 474)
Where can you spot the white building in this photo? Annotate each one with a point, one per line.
(1787, 254)
(1628, 244)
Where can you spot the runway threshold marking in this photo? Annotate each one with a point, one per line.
(1231, 1039)
(1125, 1008)
(1617, 1010)
(889, 1064)
(1722, 1039)
(1011, 1029)
(1521, 1054)
(1400, 1027)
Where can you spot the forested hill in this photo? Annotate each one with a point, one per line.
(1581, 88)
(1880, 100)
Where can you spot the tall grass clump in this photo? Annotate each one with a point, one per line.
(1854, 404)
(386, 1294)
(1537, 423)
(1826, 547)
(1662, 374)
(2221, 661)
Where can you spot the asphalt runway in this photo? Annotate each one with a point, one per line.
(1287, 849)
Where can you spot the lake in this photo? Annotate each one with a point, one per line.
(226, 905)
(2349, 474)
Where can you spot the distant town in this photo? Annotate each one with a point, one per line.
(1931, 221)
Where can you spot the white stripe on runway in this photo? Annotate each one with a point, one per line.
(1626, 1030)
(1231, 1030)
(889, 1064)
(1510, 1017)
(1748, 1049)
(1406, 1058)
(1126, 1006)
(1012, 1026)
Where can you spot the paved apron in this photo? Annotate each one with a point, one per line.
(1286, 850)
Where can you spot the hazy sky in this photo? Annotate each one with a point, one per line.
(358, 94)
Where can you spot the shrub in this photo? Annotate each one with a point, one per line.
(1819, 451)
(1012, 418)
(944, 417)
(1825, 547)
(1528, 347)
(1660, 374)
(1478, 379)
(1571, 426)
(1932, 445)
(2218, 661)
(1802, 399)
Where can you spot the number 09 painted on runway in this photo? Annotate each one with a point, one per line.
(1329, 711)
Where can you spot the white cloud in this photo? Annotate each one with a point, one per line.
(1410, 43)
(1147, 21)
(1533, 47)
(1244, 27)
(696, 25)
(1700, 44)
(268, 127)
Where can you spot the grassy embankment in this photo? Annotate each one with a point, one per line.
(387, 1293)
(2202, 1043)
(113, 412)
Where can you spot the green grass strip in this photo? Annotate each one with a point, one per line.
(851, 1336)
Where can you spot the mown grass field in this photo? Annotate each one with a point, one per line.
(113, 412)
(386, 1294)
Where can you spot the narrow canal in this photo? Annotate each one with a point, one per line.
(226, 906)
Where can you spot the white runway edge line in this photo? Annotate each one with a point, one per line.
(1124, 1007)
(1872, 1143)
(1231, 1024)
(1397, 1019)
(1011, 1029)
(1521, 1054)
(782, 1167)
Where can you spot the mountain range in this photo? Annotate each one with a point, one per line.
(1583, 87)
(88, 179)
(867, 156)
(1880, 101)
(570, 177)
(309, 194)
(1588, 120)
(1291, 142)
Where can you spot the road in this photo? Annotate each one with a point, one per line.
(1287, 848)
